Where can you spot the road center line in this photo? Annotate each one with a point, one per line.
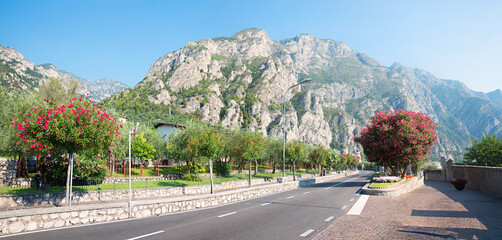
(359, 205)
(340, 183)
(329, 219)
(265, 204)
(146, 235)
(228, 214)
(290, 197)
(307, 233)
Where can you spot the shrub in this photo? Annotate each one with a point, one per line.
(192, 177)
(223, 168)
(430, 166)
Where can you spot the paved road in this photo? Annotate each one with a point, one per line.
(297, 214)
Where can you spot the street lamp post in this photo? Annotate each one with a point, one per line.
(131, 132)
(284, 127)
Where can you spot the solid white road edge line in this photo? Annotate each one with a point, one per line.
(290, 197)
(352, 199)
(329, 219)
(307, 233)
(359, 205)
(344, 207)
(305, 192)
(146, 235)
(228, 214)
(265, 204)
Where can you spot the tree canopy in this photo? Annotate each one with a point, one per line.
(487, 152)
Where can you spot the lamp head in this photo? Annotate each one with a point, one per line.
(307, 80)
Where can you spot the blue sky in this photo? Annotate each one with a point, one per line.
(459, 40)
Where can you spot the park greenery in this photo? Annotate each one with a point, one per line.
(56, 126)
(397, 139)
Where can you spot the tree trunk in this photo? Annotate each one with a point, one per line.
(113, 165)
(242, 169)
(211, 175)
(22, 168)
(69, 178)
(255, 167)
(273, 167)
(189, 167)
(294, 171)
(249, 166)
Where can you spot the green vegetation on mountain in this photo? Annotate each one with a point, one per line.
(348, 87)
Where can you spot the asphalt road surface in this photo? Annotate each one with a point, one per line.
(297, 214)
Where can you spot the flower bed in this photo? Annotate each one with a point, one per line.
(384, 182)
(388, 179)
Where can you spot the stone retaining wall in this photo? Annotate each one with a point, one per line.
(58, 199)
(44, 218)
(484, 179)
(8, 170)
(434, 175)
(107, 195)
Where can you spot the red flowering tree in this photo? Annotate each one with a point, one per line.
(349, 160)
(319, 156)
(72, 127)
(398, 139)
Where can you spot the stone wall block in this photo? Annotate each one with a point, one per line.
(65, 215)
(16, 227)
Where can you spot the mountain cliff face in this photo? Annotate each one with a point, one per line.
(240, 81)
(16, 72)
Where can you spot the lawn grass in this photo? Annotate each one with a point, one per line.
(381, 185)
(140, 184)
(150, 172)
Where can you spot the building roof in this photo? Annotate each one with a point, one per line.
(169, 125)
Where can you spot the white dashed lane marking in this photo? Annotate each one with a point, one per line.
(307, 233)
(146, 235)
(228, 214)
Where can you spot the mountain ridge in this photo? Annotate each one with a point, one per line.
(239, 82)
(17, 72)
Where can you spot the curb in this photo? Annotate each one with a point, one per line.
(398, 189)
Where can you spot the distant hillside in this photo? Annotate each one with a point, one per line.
(16, 72)
(240, 81)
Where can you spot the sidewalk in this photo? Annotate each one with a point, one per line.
(434, 211)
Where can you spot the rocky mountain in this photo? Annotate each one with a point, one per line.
(240, 81)
(16, 72)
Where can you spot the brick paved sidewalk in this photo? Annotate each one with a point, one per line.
(434, 211)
